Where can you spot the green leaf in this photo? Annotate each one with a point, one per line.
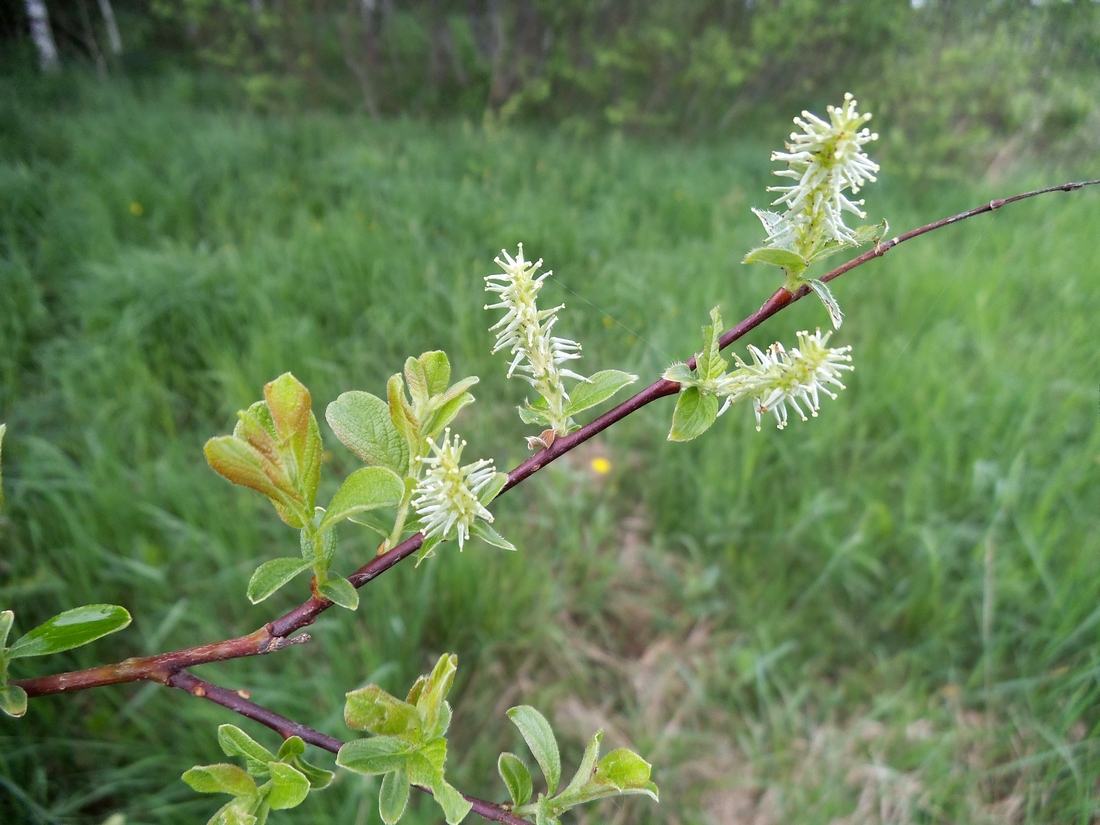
(299, 440)
(6, 619)
(482, 530)
(372, 522)
(454, 805)
(695, 412)
(516, 778)
(401, 415)
(417, 380)
(291, 408)
(271, 575)
(379, 754)
(437, 421)
(709, 364)
(235, 742)
(289, 787)
(437, 371)
(492, 489)
(372, 709)
(220, 778)
(318, 777)
(13, 700)
(362, 423)
(429, 703)
(291, 748)
(597, 389)
(587, 767)
(243, 464)
(237, 812)
(427, 549)
(785, 258)
(681, 374)
(393, 796)
(835, 315)
(70, 629)
(339, 591)
(537, 413)
(367, 489)
(623, 770)
(425, 767)
(540, 739)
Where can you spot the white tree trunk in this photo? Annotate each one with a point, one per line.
(113, 36)
(42, 35)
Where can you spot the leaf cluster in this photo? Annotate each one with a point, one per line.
(619, 773)
(64, 631)
(289, 778)
(409, 746)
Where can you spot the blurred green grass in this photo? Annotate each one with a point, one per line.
(886, 614)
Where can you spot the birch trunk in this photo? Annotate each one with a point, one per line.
(113, 37)
(42, 35)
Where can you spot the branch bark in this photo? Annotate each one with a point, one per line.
(277, 634)
(238, 702)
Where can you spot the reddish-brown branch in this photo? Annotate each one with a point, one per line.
(273, 635)
(238, 702)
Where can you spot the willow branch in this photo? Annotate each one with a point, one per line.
(273, 636)
(238, 702)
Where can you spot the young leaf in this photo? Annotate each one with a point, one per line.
(425, 766)
(680, 374)
(437, 421)
(220, 778)
(367, 489)
(785, 258)
(291, 752)
(6, 619)
(588, 766)
(271, 575)
(430, 702)
(239, 811)
(597, 389)
(401, 416)
(454, 805)
(13, 700)
(339, 591)
(372, 709)
(362, 423)
(291, 748)
(379, 754)
(624, 770)
(393, 796)
(70, 629)
(427, 549)
(243, 464)
(417, 380)
(487, 534)
(289, 787)
(492, 489)
(709, 364)
(318, 777)
(695, 412)
(540, 739)
(835, 315)
(291, 410)
(516, 778)
(235, 742)
(437, 371)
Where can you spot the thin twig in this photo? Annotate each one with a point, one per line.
(238, 702)
(273, 636)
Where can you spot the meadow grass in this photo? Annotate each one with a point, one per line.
(886, 614)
